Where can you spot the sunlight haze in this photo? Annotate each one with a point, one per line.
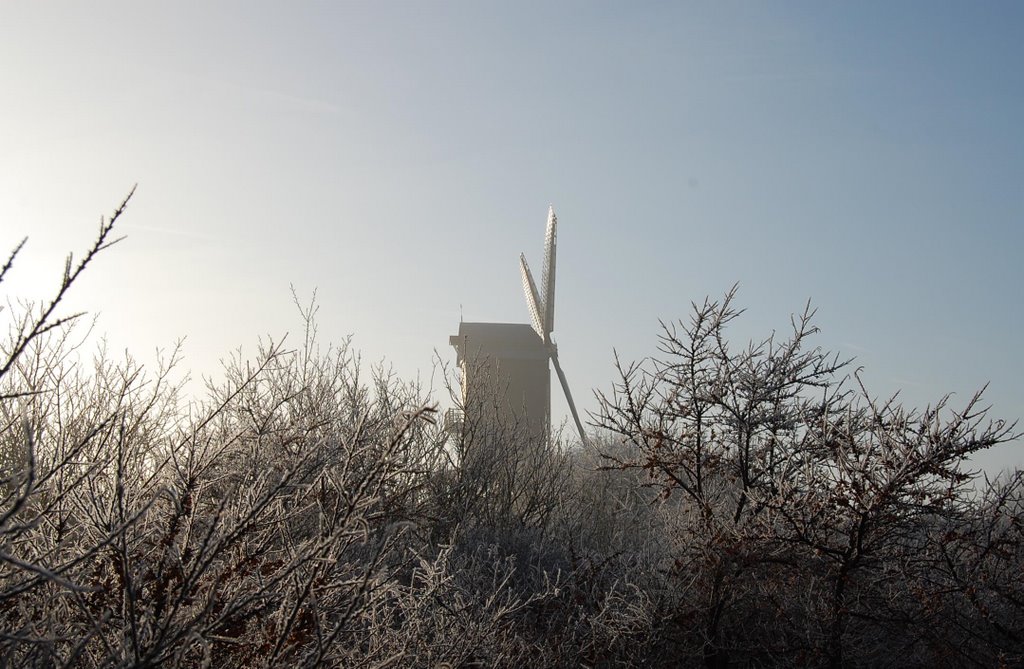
(397, 157)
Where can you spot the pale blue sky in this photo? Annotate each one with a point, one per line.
(399, 156)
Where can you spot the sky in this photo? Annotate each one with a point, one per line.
(398, 156)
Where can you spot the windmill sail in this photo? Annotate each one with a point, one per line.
(532, 298)
(548, 275)
(568, 395)
(542, 308)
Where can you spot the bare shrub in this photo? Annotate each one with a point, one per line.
(276, 521)
(745, 506)
(802, 505)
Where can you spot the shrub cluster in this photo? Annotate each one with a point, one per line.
(750, 507)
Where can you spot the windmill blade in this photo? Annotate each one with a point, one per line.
(532, 299)
(548, 273)
(568, 395)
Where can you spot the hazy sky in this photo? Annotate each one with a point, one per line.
(399, 156)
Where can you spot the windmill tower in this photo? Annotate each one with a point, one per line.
(509, 361)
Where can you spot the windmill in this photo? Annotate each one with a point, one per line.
(542, 308)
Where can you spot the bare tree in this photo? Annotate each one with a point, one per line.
(802, 504)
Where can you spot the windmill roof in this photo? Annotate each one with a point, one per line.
(498, 340)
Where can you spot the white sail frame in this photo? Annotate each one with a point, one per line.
(542, 309)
